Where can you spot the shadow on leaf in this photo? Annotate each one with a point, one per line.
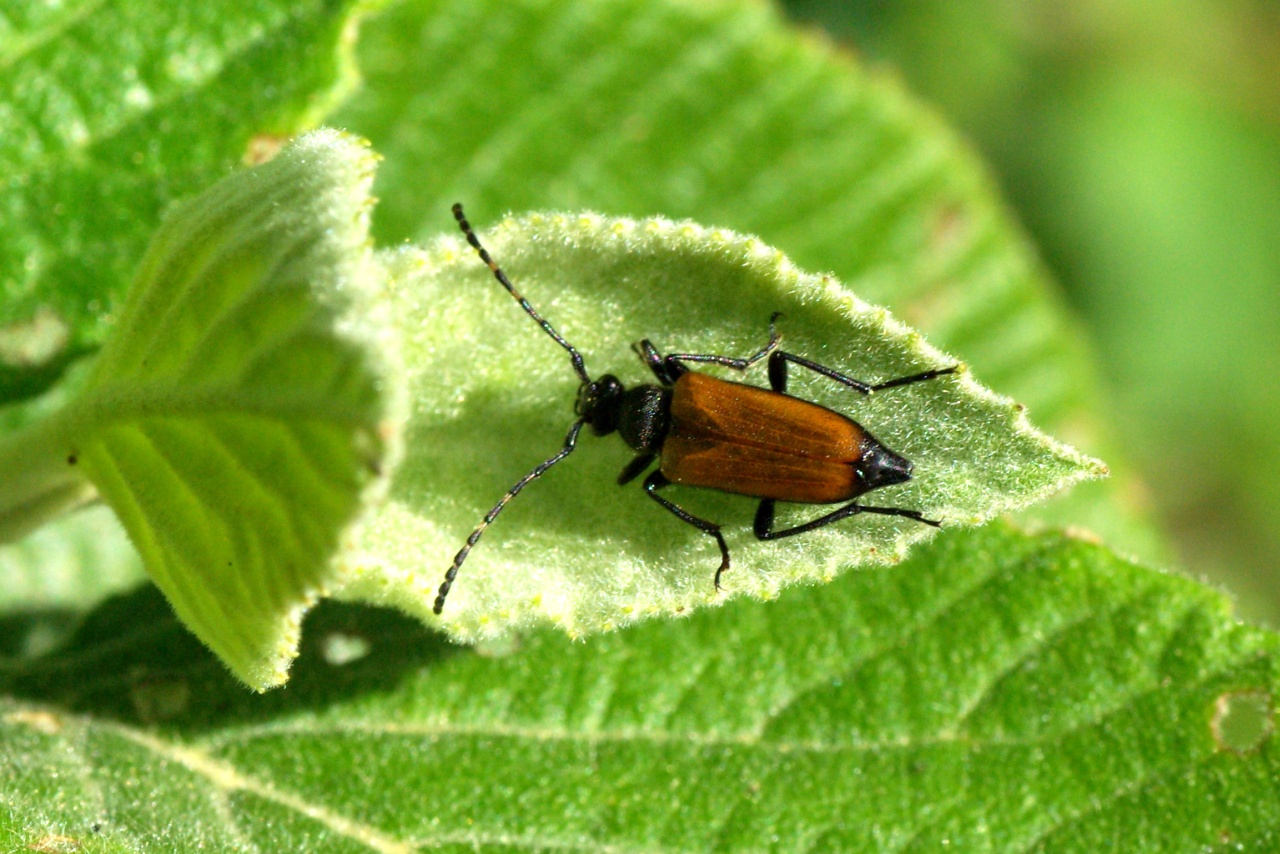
(131, 660)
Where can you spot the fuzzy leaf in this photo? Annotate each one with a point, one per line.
(492, 396)
(233, 420)
(996, 692)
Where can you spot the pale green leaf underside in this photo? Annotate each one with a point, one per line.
(493, 396)
(233, 419)
(996, 692)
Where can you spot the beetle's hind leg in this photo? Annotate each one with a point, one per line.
(778, 374)
(668, 368)
(656, 481)
(763, 527)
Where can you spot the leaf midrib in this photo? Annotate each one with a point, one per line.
(121, 404)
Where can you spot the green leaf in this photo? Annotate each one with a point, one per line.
(720, 113)
(997, 692)
(57, 574)
(61, 571)
(234, 419)
(493, 396)
(111, 111)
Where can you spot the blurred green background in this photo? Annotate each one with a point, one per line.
(1140, 145)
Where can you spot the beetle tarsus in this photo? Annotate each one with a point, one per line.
(656, 481)
(916, 378)
(724, 559)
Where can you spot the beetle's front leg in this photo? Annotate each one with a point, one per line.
(668, 368)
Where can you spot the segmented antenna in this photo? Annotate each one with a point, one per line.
(570, 442)
(574, 355)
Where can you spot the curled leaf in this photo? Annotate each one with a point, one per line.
(235, 417)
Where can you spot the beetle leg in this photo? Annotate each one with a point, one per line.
(764, 520)
(763, 527)
(635, 468)
(778, 374)
(656, 481)
(675, 369)
(915, 378)
(667, 373)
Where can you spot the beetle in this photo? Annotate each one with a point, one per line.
(723, 435)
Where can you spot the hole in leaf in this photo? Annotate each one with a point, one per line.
(263, 147)
(1243, 720)
(35, 341)
(339, 648)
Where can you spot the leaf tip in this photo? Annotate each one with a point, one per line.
(270, 668)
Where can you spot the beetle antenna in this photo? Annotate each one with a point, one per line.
(570, 442)
(574, 355)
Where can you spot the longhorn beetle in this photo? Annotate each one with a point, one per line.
(723, 435)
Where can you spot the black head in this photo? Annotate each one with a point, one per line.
(880, 466)
(599, 402)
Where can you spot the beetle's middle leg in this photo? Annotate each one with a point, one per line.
(668, 368)
(763, 527)
(656, 481)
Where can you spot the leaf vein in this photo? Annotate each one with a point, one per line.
(228, 778)
(20, 47)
